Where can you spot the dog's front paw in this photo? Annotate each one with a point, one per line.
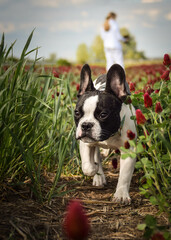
(90, 169)
(99, 180)
(122, 196)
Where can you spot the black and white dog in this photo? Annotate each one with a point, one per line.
(98, 116)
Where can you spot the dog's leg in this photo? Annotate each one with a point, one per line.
(125, 176)
(89, 166)
(99, 179)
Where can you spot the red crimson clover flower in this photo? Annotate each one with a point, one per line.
(165, 75)
(166, 60)
(114, 163)
(127, 145)
(157, 236)
(55, 74)
(130, 135)
(158, 108)
(147, 100)
(76, 224)
(117, 151)
(140, 117)
(132, 86)
(157, 91)
(78, 87)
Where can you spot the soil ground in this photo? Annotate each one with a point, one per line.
(22, 217)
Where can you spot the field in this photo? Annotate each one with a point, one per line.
(40, 168)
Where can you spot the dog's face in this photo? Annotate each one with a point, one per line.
(97, 116)
(97, 113)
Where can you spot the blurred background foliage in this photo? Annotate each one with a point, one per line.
(95, 52)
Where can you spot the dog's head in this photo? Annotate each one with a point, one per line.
(97, 113)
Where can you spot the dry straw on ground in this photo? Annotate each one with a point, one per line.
(21, 217)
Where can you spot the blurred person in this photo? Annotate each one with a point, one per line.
(112, 41)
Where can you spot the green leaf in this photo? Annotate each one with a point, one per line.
(133, 117)
(132, 143)
(140, 148)
(124, 149)
(153, 200)
(141, 226)
(18, 70)
(157, 85)
(148, 233)
(122, 122)
(146, 162)
(165, 142)
(145, 186)
(133, 155)
(143, 191)
(138, 165)
(126, 155)
(150, 221)
(2, 50)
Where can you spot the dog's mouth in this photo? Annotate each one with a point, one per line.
(86, 138)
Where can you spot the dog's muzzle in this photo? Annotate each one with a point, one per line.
(87, 126)
(86, 132)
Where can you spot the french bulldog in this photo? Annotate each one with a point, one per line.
(100, 111)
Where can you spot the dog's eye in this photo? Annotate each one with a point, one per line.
(77, 113)
(103, 115)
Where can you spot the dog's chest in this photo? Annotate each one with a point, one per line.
(113, 142)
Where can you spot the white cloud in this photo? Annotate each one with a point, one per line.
(67, 25)
(74, 26)
(139, 11)
(10, 27)
(168, 16)
(56, 3)
(64, 25)
(7, 27)
(46, 3)
(152, 13)
(30, 25)
(147, 25)
(151, 1)
(84, 13)
(79, 1)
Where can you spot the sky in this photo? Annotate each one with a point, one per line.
(61, 25)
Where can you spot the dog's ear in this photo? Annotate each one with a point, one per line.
(116, 82)
(86, 83)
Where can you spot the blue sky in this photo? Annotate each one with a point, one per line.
(61, 25)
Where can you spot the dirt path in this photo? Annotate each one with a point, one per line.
(21, 217)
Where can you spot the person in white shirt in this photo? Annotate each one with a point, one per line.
(112, 41)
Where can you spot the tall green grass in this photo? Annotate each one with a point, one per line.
(36, 130)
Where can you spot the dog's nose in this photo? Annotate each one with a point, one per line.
(86, 126)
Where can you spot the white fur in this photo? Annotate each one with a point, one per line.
(90, 155)
(89, 107)
(99, 86)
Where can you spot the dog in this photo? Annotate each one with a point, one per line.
(100, 111)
